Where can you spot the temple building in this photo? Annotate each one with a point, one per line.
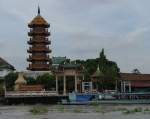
(134, 82)
(39, 50)
(96, 78)
(56, 61)
(69, 78)
(5, 68)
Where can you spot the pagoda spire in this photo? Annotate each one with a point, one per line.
(38, 10)
(98, 72)
(39, 59)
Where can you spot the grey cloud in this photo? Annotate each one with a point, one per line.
(80, 28)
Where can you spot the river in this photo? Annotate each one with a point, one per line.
(73, 112)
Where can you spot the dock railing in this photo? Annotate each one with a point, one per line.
(30, 94)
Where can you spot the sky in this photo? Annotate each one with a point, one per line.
(80, 29)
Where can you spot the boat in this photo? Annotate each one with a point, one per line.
(81, 97)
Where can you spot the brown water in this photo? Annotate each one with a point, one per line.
(72, 112)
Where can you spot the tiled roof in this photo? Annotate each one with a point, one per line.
(135, 77)
(70, 66)
(38, 20)
(5, 65)
(58, 60)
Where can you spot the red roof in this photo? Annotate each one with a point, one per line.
(135, 77)
(140, 84)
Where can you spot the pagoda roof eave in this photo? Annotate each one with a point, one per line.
(38, 21)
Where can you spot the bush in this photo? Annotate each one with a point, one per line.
(38, 110)
(47, 80)
(30, 81)
(132, 111)
(10, 81)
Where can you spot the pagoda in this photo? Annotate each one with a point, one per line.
(39, 59)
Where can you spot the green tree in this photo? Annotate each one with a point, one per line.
(10, 81)
(47, 80)
(110, 71)
(31, 81)
(102, 60)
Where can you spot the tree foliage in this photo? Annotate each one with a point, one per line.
(109, 69)
(47, 80)
(110, 72)
(9, 80)
(31, 81)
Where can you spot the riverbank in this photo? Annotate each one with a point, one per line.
(76, 112)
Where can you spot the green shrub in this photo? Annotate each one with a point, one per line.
(10, 80)
(77, 110)
(47, 80)
(61, 108)
(94, 103)
(132, 111)
(38, 110)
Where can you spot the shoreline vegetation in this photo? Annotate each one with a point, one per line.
(92, 108)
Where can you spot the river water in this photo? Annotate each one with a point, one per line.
(72, 112)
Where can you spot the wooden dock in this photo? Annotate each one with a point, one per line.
(109, 102)
(32, 97)
(20, 94)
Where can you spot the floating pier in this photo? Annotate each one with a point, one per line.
(33, 97)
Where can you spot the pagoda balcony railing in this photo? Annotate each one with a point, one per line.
(41, 25)
(63, 70)
(39, 66)
(40, 32)
(31, 41)
(46, 58)
(39, 49)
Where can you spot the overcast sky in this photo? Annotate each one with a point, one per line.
(80, 29)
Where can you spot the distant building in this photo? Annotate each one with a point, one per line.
(128, 82)
(39, 50)
(56, 61)
(5, 68)
(63, 72)
(96, 78)
(134, 82)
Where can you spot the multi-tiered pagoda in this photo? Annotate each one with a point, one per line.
(39, 49)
